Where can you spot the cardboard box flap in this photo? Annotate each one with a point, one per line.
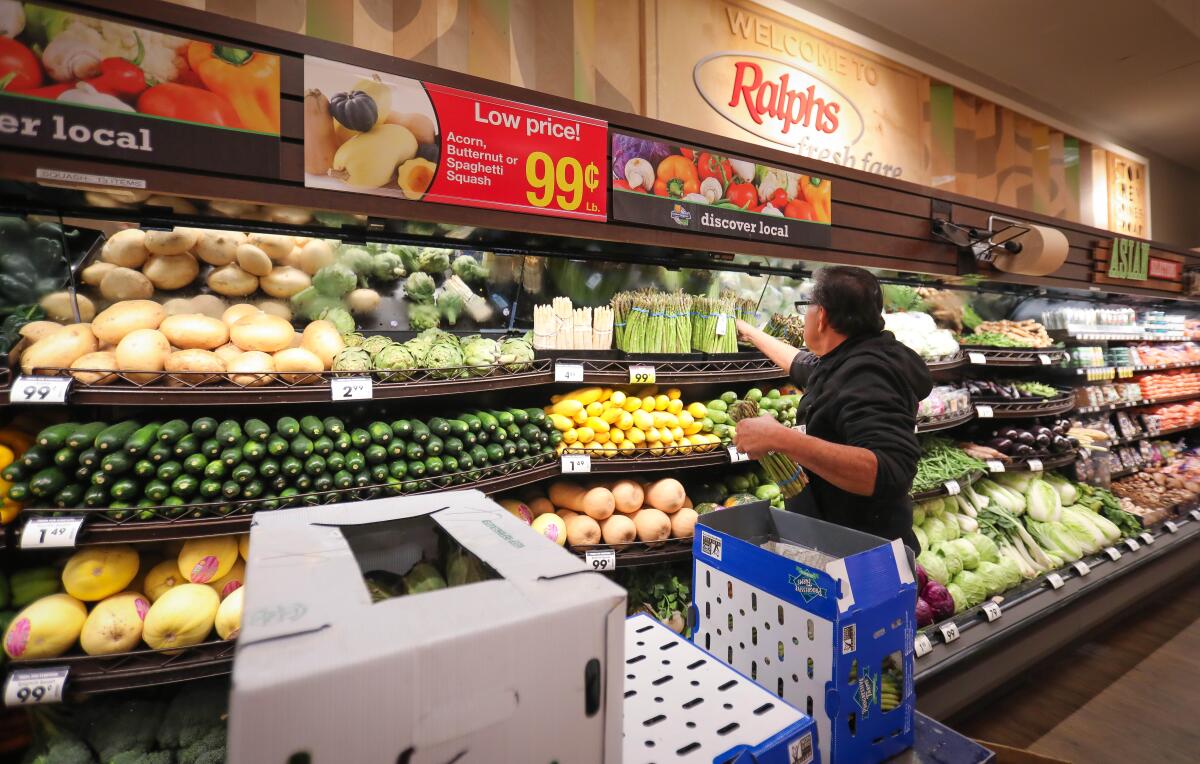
(872, 576)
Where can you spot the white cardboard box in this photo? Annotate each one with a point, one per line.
(526, 667)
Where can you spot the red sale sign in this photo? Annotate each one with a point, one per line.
(395, 136)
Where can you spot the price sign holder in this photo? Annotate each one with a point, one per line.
(1113, 553)
(995, 465)
(1045, 359)
(1133, 545)
(576, 463)
(922, 646)
(979, 359)
(1171, 526)
(641, 374)
(568, 372)
(1081, 567)
(38, 390)
(30, 687)
(51, 532)
(1054, 580)
(984, 412)
(1147, 538)
(953, 488)
(949, 631)
(991, 610)
(1195, 514)
(602, 560)
(721, 329)
(1035, 465)
(351, 388)
(737, 456)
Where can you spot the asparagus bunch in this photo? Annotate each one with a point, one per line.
(713, 330)
(653, 322)
(789, 328)
(778, 468)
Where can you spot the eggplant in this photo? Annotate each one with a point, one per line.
(1022, 449)
(1060, 444)
(1024, 437)
(1042, 430)
(1011, 433)
(1003, 445)
(1042, 440)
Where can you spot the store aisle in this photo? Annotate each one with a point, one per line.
(1123, 696)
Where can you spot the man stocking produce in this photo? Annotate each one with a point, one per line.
(859, 409)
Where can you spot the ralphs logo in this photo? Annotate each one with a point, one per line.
(775, 99)
(680, 215)
(805, 584)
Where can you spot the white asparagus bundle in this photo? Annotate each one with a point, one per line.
(602, 328)
(562, 323)
(544, 330)
(582, 333)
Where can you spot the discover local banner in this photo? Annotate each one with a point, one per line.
(682, 187)
(76, 84)
(384, 135)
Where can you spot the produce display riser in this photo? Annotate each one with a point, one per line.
(945, 423)
(639, 554)
(1038, 621)
(1010, 357)
(1162, 434)
(1026, 409)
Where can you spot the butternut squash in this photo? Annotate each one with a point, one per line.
(540, 505)
(319, 143)
(683, 523)
(628, 495)
(618, 529)
(666, 495)
(597, 503)
(652, 525)
(582, 531)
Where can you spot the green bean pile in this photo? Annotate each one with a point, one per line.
(940, 461)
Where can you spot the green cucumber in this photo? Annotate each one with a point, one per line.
(375, 454)
(380, 433)
(254, 451)
(398, 469)
(335, 461)
(536, 416)
(343, 479)
(416, 469)
(333, 426)
(479, 455)
(291, 466)
(276, 446)
(314, 465)
(414, 451)
(495, 453)
(257, 430)
(168, 471)
(215, 470)
(519, 416)
(439, 427)
(253, 489)
(47, 482)
(490, 423)
(451, 465)
(360, 438)
(55, 436)
(229, 433)
(186, 446)
(156, 490)
(95, 496)
(465, 462)
(458, 427)
(185, 486)
(195, 464)
(401, 428)
(379, 474)
(65, 458)
(312, 427)
(113, 438)
(125, 489)
(435, 446)
(144, 469)
(355, 461)
(69, 497)
(243, 473)
(397, 449)
(231, 489)
(172, 431)
(504, 418)
(288, 427)
(510, 449)
(303, 483)
(342, 442)
(473, 422)
(323, 445)
(116, 463)
(211, 448)
(268, 468)
(323, 482)
(231, 456)
(84, 436)
(210, 488)
(420, 433)
(159, 452)
(452, 445)
(204, 427)
(140, 441)
(512, 430)
(301, 447)
(434, 466)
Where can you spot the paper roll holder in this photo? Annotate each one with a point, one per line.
(981, 244)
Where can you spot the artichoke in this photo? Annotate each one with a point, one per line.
(432, 260)
(423, 316)
(335, 280)
(468, 269)
(408, 257)
(479, 354)
(515, 353)
(447, 358)
(352, 339)
(352, 359)
(394, 357)
(340, 318)
(375, 343)
(358, 260)
(450, 306)
(418, 287)
(387, 267)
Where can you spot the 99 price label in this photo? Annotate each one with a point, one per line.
(39, 390)
(561, 182)
(31, 687)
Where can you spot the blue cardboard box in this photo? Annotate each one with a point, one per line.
(820, 615)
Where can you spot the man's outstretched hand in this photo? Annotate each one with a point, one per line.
(758, 436)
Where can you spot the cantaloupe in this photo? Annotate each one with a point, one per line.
(115, 624)
(94, 573)
(652, 525)
(46, 628)
(582, 531)
(207, 559)
(628, 496)
(518, 509)
(181, 617)
(244, 546)
(618, 529)
(666, 495)
(683, 523)
(232, 581)
(229, 615)
(162, 578)
(552, 527)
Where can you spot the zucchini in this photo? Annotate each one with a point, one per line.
(301, 447)
(15, 472)
(288, 427)
(375, 454)
(397, 449)
(314, 465)
(523, 447)
(323, 445)
(65, 458)
(402, 428)
(186, 446)
(268, 468)
(257, 430)
(512, 431)
(333, 426)
(452, 445)
(465, 462)
(243, 473)
(18, 492)
(473, 422)
(451, 465)
(312, 427)
(458, 427)
(323, 482)
(211, 448)
(420, 433)
(125, 489)
(355, 461)
(113, 438)
(229, 433)
(157, 490)
(47, 482)
(495, 453)
(195, 464)
(510, 450)
(483, 437)
(469, 439)
(479, 455)
(504, 418)
(254, 451)
(144, 469)
(414, 451)
(439, 427)
(416, 469)
(362, 479)
(231, 489)
(185, 486)
(291, 466)
(141, 440)
(380, 433)
(84, 436)
(215, 470)
(490, 423)
(82, 475)
(532, 433)
(303, 483)
(435, 446)
(278, 483)
(536, 416)
(173, 431)
(276, 446)
(69, 497)
(168, 471)
(159, 453)
(55, 436)
(231, 457)
(519, 416)
(116, 463)
(360, 438)
(210, 488)
(204, 427)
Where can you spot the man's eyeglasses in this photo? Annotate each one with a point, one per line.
(802, 305)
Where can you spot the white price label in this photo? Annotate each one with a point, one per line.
(29, 687)
(50, 532)
(1055, 580)
(568, 372)
(1035, 465)
(1195, 513)
(995, 465)
(1113, 553)
(949, 631)
(641, 374)
(720, 329)
(576, 463)
(351, 388)
(601, 559)
(39, 390)
(1147, 538)
(921, 645)
(1081, 567)
(1133, 545)
(991, 610)
(737, 456)
(593, 280)
(983, 412)
(953, 488)
(979, 359)
(1171, 527)
(1045, 359)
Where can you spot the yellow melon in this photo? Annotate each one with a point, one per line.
(552, 527)
(94, 573)
(115, 624)
(181, 617)
(231, 581)
(229, 615)
(518, 509)
(207, 559)
(161, 578)
(244, 546)
(46, 628)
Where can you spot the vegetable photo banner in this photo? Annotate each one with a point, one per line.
(385, 135)
(78, 84)
(682, 187)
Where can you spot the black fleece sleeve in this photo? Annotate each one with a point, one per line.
(803, 365)
(878, 417)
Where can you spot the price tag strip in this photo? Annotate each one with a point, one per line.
(1045, 359)
(1195, 513)
(30, 687)
(576, 463)
(351, 388)
(737, 456)
(995, 465)
(51, 532)
(601, 559)
(1113, 553)
(979, 359)
(1054, 580)
(568, 372)
(1133, 545)
(1171, 526)
(983, 412)
(641, 374)
(953, 488)
(1081, 567)
(949, 631)
(921, 645)
(991, 610)
(40, 390)
(1147, 538)
(1035, 465)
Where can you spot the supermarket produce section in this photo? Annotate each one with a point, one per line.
(189, 354)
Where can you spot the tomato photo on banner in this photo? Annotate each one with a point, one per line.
(668, 185)
(385, 135)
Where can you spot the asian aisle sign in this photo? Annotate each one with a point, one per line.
(77, 84)
(380, 134)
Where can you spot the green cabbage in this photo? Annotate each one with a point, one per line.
(922, 539)
(935, 530)
(950, 555)
(993, 576)
(935, 567)
(1012, 571)
(973, 586)
(984, 546)
(960, 597)
(418, 287)
(918, 514)
(966, 552)
(950, 520)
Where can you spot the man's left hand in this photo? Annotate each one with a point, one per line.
(758, 436)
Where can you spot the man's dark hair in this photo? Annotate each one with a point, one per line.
(851, 298)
